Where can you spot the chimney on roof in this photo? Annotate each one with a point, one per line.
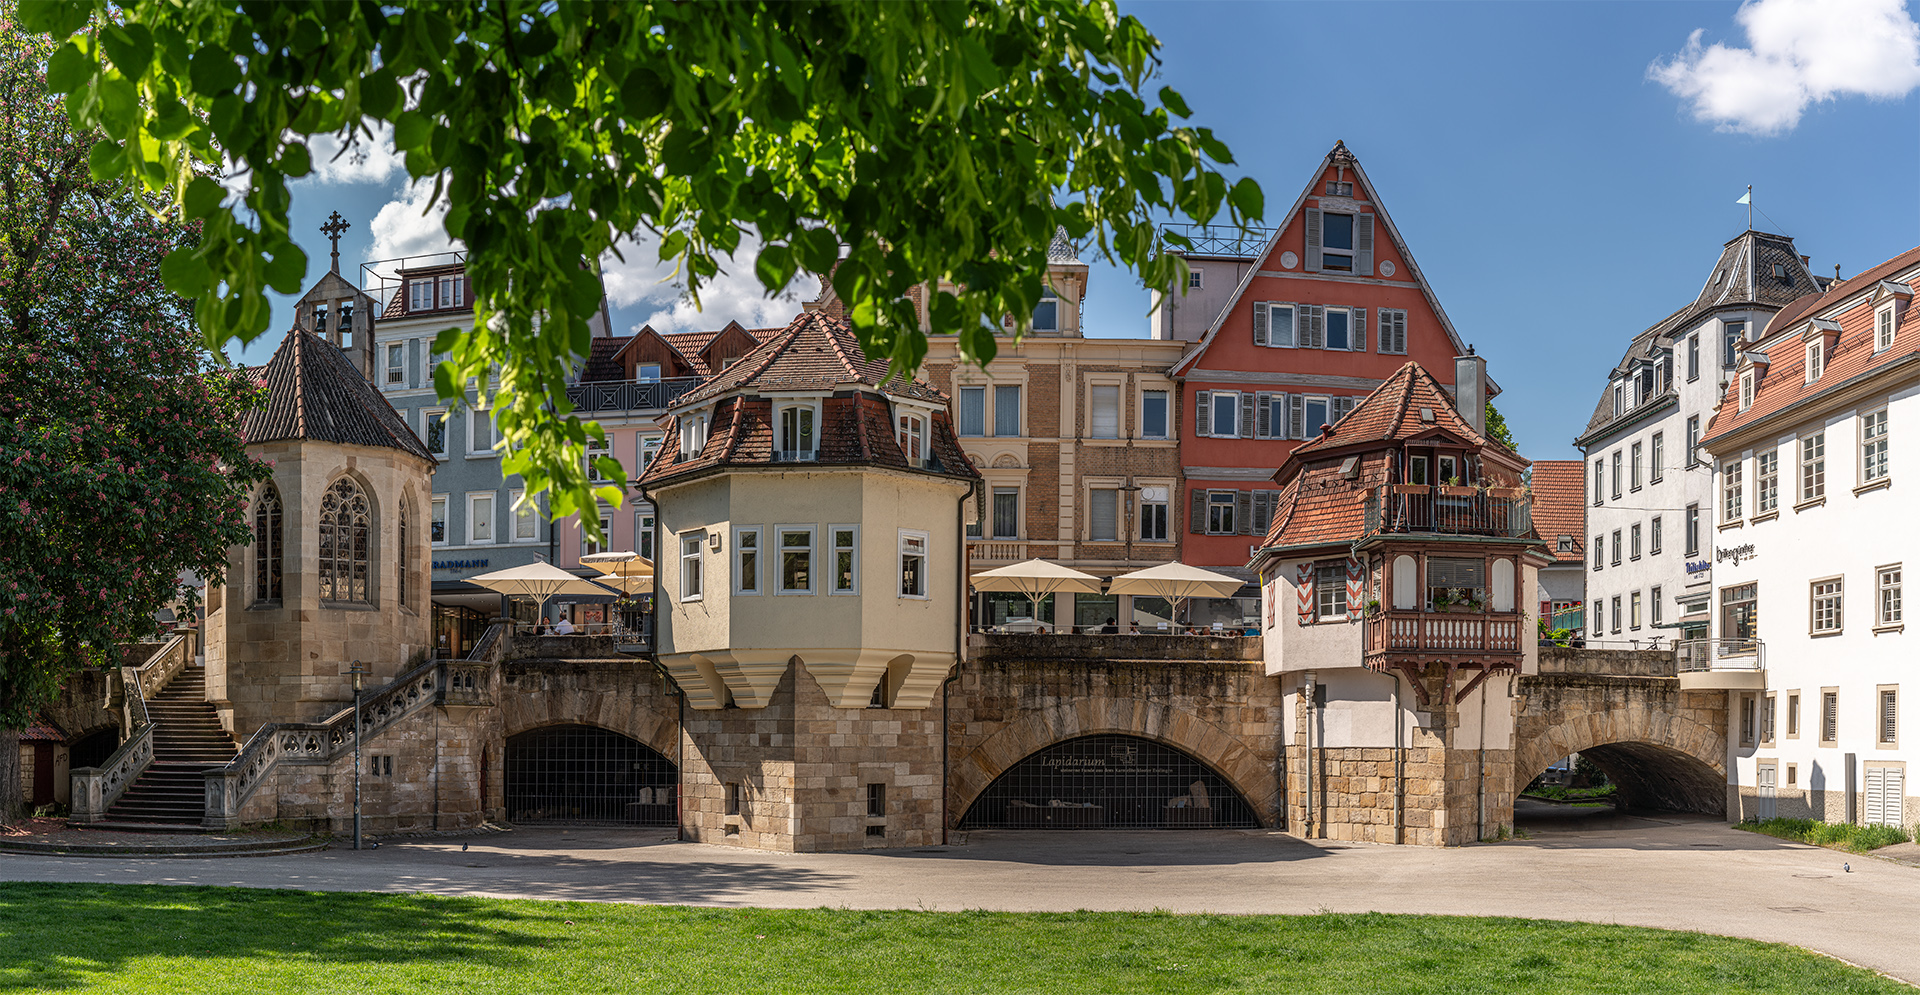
(1806, 260)
(1470, 389)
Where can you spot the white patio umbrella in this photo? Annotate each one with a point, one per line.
(1175, 582)
(619, 564)
(539, 581)
(1036, 579)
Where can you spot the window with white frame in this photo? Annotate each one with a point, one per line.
(1826, 605)
(480, 518)
(1006, 410)
(910, 429)
(1693, 530)
(1153, 414)
(1619, 399)
(1599, 482)
(526, 528)
(438, 525)
(1103, 514)
(913, 564)
(1766, 482)
(846, 558)
(1598, 551)
(1693, 441)
(479, 432)
(1006, 512)
(1393, 331)
(1616, 614)
(1336, 254)
(796, 559)
(693, 433)
(1635, 469)
(1617, 462)
(1224, 419)
(643, 522)
(1732, 491)
(1281, 328)
(1633, 614)
(597, 448)
(1599, 617)
(1339, 329)
(1888, 721)
(1883, 329)
(433, 429)
(1194, 279)
(1615, 558)
(1104, 402)
(1153, 514)
(1315, 412)
(746, 560)
(588, 544)
(1656, 455)
(1693, 357)
(646, 447)
(452, 291)
(1653, 598)
(1731, 334)
(1633, 550)
(1654, 536)
(1813, 467)
(1220, 506)
(973, 411)
(692, 579)
(1420, 471)
(1816, 358)
(646, 372)
(396, 364)
(1873, 446)
(1330, 591)
(1830, 716)
(1046, 314)
(1746, 390)
(796, 439)
(1887, 609)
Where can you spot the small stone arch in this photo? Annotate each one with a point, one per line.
(1657, 761)
(654, 727)
(1235, 761)
(1006, 461)
(576, 772)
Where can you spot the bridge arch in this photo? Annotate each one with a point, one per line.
(1658, 752)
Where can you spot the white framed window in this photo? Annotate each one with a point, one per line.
(526, 527)
(420, 295)
(480, 518)
(1154, 414)
(1616, 610)
(1276, 325)
(913, 564)
(1618, 461)
(1827, 605)
(1046, 314)
(1693, 357)
(1653, 598)
(396, 364)
(1731, 333)
(479, 432)
(1635, 470)
(1693, 441)
(1633, 550)
(1693, 530)
(693, 433)
(1656, 455)
(597, 448)
(1103, 401)
(1732, 491)
(1746, 390)
(1633, 611)
(1103, 514)
(1418, 471)
(1599, 617)
(1599, 481)
(1619, 399)
(1330, 591)
(1393, 331)
(1339, 329)
(846, 558)
(1883, 329)
(796, 558)
(1813, 467)
(1195, 281)
(646, 447)
(796, 439)
(910, 430)
(433, 430)
(1887, 607)
(1873, 446)
(438, 525)
(1654, 536)
(588, 544)
(1224, 418)
(643, 522)
(1816, 358)
(1766, 482)
(1006, 512)
(1153, 514)
(1316, 411)
(1336, 233)
(1615, 560)
(746, 560)
(1006, 410)
(973, 412)
(1220, 513)
(692, 564)
(452, 291)
(1598, 551)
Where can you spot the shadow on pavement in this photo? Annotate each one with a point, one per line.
(1121, 848)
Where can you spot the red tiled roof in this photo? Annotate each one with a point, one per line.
(41, 732)
(1322, 506)
(1395, 411)
(814, 352)
(1560, 505)
(1784, 382)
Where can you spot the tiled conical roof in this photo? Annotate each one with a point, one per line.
(314, 392)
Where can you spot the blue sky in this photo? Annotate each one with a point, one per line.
(1558, 198)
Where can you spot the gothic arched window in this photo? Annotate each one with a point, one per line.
(346, 544)
(267, 545)
(405, 560)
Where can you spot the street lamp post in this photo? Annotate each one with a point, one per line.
(358, 671)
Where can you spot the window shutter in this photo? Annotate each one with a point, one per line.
(1197, 512)
(1202, 412)
(1356, 587)
(1342, 405)
(1400, 332)
(1263, 416)
(1359, 342)
(1318, 334)
(1259, 323)
(1246, 414)
(1243, 511)
(1363, 245)
(1313, 240)
(1303, 586)
(1296, 416)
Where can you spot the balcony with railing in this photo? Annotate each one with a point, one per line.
(1409, 509)
(630, 395)
(1443, 633)
(1226, 241)
(1721, 664)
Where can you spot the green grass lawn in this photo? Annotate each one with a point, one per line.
(137, 938)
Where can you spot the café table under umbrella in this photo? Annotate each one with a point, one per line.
(1036, 579)
(1176, 582)
(539, 581)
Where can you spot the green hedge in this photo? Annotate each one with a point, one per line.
(1838, 835)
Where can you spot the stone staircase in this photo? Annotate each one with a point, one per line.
(188, 740)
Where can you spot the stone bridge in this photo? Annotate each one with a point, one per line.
(1624, 710)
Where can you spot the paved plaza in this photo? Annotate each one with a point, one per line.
(1671, 873)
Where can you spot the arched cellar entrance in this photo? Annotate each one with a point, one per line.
(583, 775)
(1110, 782)
(94, 749)
(1651, 777)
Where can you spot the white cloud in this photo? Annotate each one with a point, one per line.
(407, 227)
(651, 288)
(1800, 52)
(364, 160)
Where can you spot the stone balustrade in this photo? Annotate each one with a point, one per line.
(95, 789)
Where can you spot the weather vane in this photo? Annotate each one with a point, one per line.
(334, 226)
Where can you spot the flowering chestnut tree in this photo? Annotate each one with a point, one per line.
(120, 464)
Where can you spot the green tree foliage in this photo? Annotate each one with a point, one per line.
(119, 466)
(1497, 428)
(912, 142)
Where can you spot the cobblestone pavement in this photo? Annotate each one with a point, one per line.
(56, 833)
(1671, 873)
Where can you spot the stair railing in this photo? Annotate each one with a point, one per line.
(444, 682)
(95, 789)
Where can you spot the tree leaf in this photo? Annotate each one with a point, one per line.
(130, 46)
(186, 273)
(68, 69)
(1247, 199)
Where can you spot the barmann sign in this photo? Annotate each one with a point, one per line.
(1734, 553)
(459, 564)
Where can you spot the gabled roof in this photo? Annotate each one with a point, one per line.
(814, 352)
(1407, 405)
(1323, 506)
(1363, 190)
(314, 392)
(1560, 506)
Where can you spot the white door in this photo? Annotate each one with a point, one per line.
(1886, 790)
(1765, 784)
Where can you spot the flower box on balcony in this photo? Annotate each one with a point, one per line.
(1509, 493)
(1410, 488)
(1455, 490)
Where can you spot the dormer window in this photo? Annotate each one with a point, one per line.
(1816, 359)
(1883, 329)
(647, 372)
(1746, 390)
(797, 439)
(1619, 400)
(693, 433)
(1779, 271)
(428, 293)
(911, 431)
(1046, 314)
(1337, 242)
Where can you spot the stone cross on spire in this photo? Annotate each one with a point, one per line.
(334, 226)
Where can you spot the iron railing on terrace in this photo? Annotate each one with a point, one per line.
(1504, 513)
(630, 395)
(1696, 655)
(1217, 240)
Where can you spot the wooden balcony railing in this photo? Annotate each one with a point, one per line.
(1416, 632)
(1504, 513)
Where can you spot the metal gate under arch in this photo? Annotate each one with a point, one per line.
(1110, 782)
(583, 775)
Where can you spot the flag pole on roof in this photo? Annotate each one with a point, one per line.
(1747, 199)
